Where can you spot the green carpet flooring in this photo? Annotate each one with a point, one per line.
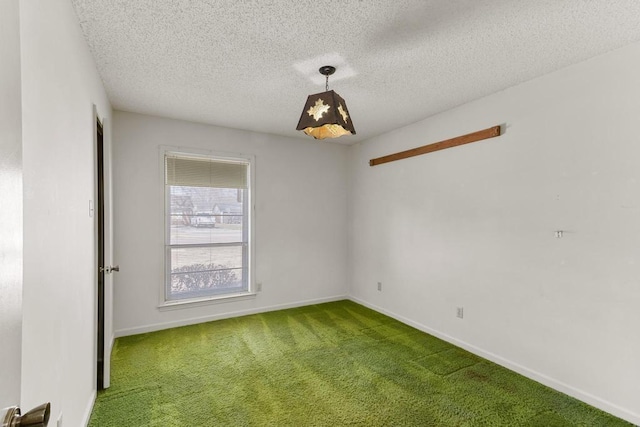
(334, 364)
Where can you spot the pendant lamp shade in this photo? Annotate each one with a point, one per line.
(325, 114)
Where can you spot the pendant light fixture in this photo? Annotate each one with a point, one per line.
(325, 114)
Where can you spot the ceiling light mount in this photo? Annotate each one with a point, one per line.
(327, 70)
(325, 114)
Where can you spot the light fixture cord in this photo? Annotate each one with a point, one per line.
(326, 84)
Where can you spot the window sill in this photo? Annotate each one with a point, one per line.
(197, 302)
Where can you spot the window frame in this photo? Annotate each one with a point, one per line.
(248, 229)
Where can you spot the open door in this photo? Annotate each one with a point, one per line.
(100, 250)
(11, 213)
(104, 282)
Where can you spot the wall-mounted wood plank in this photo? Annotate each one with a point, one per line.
(491, 132)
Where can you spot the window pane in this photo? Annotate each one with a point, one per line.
(206, 270)
(202, 215)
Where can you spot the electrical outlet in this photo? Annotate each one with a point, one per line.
(259, 287)
(59, 421)
(460, 312)
(380, 286)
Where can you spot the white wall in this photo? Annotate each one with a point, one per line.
(473, 227)
(11, 210)
(300, 219)
(60, 85)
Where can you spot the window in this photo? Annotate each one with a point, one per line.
(207, 239)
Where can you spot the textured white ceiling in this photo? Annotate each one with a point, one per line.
(250, 64)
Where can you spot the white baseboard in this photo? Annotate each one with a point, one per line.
(202, 319)
(89, 410)
(589, 398)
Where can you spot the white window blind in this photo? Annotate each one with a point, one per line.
(203, 172)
